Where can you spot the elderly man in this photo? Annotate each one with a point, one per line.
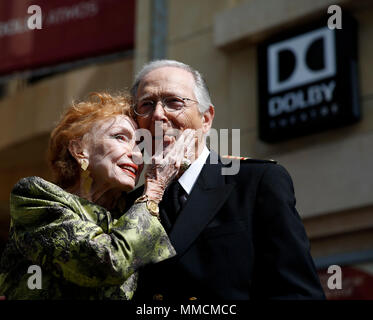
(236, 236)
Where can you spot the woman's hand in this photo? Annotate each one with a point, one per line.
(165, 167)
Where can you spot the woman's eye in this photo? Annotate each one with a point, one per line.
(121, 137)
(146, 104)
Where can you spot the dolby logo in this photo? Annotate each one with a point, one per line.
(301, 60)
(307, 80)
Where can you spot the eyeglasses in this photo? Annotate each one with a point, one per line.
(170, 104)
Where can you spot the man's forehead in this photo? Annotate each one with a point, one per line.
(168, 77)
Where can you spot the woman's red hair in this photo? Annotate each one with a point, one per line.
(77, 120)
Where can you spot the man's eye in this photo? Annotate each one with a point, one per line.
(174, 102)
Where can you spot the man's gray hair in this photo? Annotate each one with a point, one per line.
(200, 90)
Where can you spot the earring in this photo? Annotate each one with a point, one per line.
(84, 164)
(87, 180)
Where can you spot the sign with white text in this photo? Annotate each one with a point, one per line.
(308, 81)
(39, 33)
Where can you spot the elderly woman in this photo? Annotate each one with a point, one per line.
(76, 230)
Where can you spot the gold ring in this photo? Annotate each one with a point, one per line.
(185, 164)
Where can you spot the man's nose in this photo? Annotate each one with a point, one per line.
(159, 113)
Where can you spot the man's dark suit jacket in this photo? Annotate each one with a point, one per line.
(238, 237)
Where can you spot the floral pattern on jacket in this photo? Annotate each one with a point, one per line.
(82, 250)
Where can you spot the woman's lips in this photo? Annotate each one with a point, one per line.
(129, 168)
(129, 173)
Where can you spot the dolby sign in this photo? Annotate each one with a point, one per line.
(308, 81)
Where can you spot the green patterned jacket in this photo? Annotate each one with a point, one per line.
(82, 250)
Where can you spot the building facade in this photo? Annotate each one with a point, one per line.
(331, 169)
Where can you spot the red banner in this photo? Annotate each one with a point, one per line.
(70, 30)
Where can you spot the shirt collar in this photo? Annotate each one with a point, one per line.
(189, 177)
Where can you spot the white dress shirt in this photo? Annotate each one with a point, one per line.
(189, 177)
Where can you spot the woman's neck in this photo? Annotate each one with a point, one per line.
(101, 195)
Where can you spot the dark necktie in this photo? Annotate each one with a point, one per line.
(174, 201)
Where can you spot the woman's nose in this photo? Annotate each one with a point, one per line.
(136, 155)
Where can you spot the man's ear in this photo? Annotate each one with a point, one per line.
(207, 118)
(76, 150)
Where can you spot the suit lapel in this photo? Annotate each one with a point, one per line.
(207, 196)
